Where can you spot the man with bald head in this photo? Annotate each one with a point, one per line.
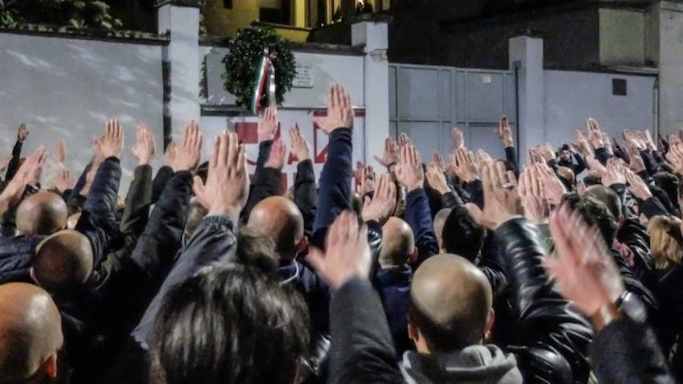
(280, 219)
(63, 262)
(393, 278)
(30, 335)
(43, 213)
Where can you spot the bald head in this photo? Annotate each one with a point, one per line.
(280, 219)
(450, 302)
(63, 261)
(439, 223)
(43, 213)
(398, 243)
(30, 332)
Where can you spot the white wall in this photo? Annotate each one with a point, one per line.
(327, 69)
(67, 88)
(571, 97)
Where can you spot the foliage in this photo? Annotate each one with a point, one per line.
(242, 63)
(77, 14)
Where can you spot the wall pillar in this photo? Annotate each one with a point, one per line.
(526, 56)
(180, 18)
(666, 29)
(375, 37)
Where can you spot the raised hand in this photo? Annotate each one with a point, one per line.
(22, 133)
(144, 148)
(636, 163)
(365, 179)
(583, 269)
(458, 138)
(409, 170)
(533, 195)
(634, 141)
(637, 186)
(553, 188)
(347, 254)
(186, 155)
(675, 157)
(111, 144)
(390, 155)
(582, 144)
(339, 111)
(613, 174)
(464, 165)
(383, 201)
(505, 132)
(300, 147)
(227, 184)
(436, 179)
(278, 153)
(266, 128)
(64, 180)
(26, 175)
(500, 201)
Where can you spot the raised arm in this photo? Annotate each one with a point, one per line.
(362, 351)
(13, 166)
(410, 174)
(335, 179)
(98, 220)
(305, 195)
(225, 194)
(139, 197)
(586, 275)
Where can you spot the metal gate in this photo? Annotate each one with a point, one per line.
(427, 101)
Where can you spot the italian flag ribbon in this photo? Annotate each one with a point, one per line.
(265, 81)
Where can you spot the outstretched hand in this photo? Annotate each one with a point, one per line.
(339, 111)
(390, 154)
(266, 128)
(505, 132)
(409, 170)
(22, 133)
(111, 144)
(26, 175)
(227, 184)
(500, 197)
(186, 155)
(383, 202)
(144, 148)
(278, 153)
(583, 268)
(300, 147)
(347, 255)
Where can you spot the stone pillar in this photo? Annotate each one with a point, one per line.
(374, 35)
(180, 18)
(666, 49)
(526, 56)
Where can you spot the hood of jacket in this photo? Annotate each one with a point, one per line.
(480, 364)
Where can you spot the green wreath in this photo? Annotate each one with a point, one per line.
(242, 64)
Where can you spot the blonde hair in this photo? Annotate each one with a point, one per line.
(666, 242)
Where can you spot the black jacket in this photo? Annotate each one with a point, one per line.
(553, 338)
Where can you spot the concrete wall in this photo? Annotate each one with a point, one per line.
(66, 89)
(622, 37)
(571, 97)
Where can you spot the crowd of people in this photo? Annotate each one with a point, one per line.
(465, 269)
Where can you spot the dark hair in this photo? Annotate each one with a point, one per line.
(230, 324)
(669, 185)
(594, 213)
(256, 251)
(608, 197)
(462, 235)
(591, 179)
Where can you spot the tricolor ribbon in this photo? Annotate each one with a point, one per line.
(265, 81)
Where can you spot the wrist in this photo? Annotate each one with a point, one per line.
(232, 212)
(604, 316)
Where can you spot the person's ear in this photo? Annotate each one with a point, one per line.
(490, 322)
(412, 256)
(50, 367)
(413, 333)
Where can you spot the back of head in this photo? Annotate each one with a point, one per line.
(594, 213)
(592, 178)
(462, 235)
(669, 184)
(439, 223)
(43, 213)
(666, 241)
(30, 333)
(281, 220)
(606, 196)
(256, 250)
(398, 243)
(230, 324)
(63, 262)
(450, 302)
(567, 177)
